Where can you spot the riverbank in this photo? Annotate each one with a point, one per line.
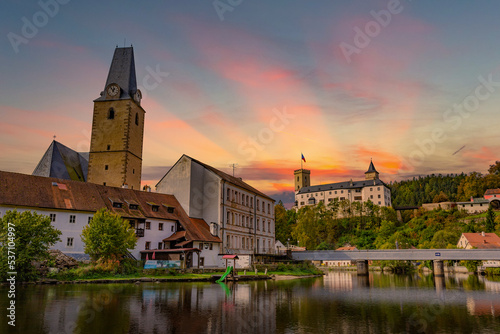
(173, 276)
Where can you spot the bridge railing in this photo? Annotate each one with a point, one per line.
(399, 254)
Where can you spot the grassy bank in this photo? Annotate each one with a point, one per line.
(128, 270)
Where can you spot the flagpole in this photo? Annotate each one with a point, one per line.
(301, 161)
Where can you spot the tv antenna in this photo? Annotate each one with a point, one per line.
(233, 166)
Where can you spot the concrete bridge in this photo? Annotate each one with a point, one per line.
(363, 256)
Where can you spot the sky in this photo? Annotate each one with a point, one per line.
(413, 85)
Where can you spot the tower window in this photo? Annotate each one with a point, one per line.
(106, 167)
(109, 147)
(111, 113)
(136, 119)
(133, 171)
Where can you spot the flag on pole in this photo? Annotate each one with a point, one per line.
(303, 157)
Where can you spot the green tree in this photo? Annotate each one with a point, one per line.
(441, 197)
(31, 235)
(108, 236)
(490, 220)
(495, 168)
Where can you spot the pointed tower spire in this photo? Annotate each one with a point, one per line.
(122, 74)
(371, 173)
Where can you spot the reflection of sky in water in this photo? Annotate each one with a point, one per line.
(339, 302)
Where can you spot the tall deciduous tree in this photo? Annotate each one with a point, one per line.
(28, 236)
(108, 236)
(490, 220)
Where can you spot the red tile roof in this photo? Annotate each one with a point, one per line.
(492, 191)
(347, 248)
(489, 240)
(20, 190)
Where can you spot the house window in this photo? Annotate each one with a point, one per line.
(90, 219)
(148, 245)
(148, 225)
(228, 194)
(211, 246)
(69, 242)
(160, 226)
(52, 217)
(228, 241)
(371, 196)
(258, 224)
(111, 113)
(72, 218)
(155, 208)
(378, 196)
(263, 226)
(269, 226)
(160, 245)
(378, 188)
(335, 192)
(172, 228)
(268, 208)
(228, 216)
(378, 202)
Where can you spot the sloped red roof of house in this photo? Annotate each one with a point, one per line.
(489, 240)
(21, 190)
(492, 191)
(347, 248)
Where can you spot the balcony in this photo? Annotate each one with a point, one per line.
(139, 232)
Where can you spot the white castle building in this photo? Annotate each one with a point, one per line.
(370, 189)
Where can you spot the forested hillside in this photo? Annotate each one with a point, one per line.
(439, 188)
(368, 226)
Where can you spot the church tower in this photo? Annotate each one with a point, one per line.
(371, 173)
(115, 157)
(302, 178)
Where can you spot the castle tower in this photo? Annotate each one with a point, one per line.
(371, 173)
(115, 157)
(302, 178)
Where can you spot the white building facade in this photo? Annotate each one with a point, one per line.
(71, 205)
(371, 189)
(240, 215)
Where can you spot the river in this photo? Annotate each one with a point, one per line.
(339, 302)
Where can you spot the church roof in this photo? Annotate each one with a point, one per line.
(371, 168)
(61, 162)
(341, 185)
(122, 72)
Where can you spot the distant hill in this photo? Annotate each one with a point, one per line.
(287, 197)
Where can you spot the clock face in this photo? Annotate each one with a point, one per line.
(113, 90)
(138, 96)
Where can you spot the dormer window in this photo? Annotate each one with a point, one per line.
(155, 208)
(170, 209)
(116, 203)
(132, 205)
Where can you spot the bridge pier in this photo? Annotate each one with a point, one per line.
(362, 267)
(438, 268)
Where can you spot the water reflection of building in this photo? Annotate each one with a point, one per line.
(339, 280)
(483, 306)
